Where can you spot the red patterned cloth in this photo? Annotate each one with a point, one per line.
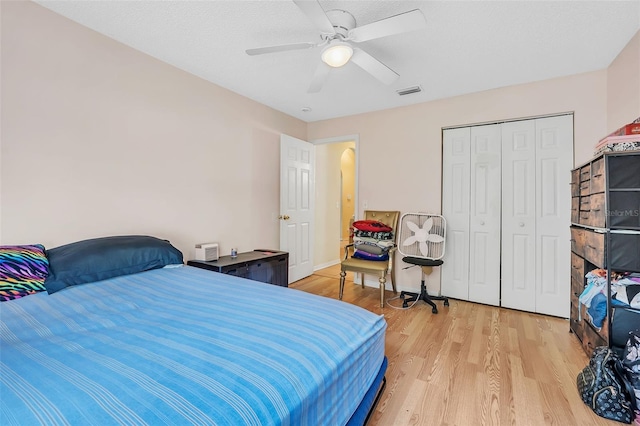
(371, 226)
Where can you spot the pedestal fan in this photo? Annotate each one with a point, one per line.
(421, 240)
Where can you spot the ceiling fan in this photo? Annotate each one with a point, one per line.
(338, 33)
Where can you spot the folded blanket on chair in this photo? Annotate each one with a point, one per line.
(375, 235)
(358, 254)
(370, 248)
(374, 241)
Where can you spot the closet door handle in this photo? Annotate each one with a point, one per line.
(482, 222)
(521, 224)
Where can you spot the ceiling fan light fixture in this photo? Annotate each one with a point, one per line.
(337, 53)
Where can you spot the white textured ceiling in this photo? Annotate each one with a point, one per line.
(468, 46)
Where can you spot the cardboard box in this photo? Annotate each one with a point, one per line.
(629, 129)
(632, 128)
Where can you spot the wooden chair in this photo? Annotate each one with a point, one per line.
(362, 266)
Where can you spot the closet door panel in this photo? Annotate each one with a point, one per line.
(484, 223)
(518, 288)
(455, 209)
(554, 160)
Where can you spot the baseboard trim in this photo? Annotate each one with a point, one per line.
(326, 265)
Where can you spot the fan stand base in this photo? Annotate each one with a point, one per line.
(408, 297)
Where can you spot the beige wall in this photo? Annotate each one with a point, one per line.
(623, 86)
(99, 139)
(327, 207)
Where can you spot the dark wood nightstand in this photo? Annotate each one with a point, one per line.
(267, 266)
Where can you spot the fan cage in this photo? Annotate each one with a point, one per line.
(435, 250)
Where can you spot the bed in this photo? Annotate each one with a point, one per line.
(180, 345)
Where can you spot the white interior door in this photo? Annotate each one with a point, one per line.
(455, 208)
(297, 198)
(554, 161)
(518, 288)
(484, 224)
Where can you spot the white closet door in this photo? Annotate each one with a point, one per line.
(554, 160)
(519, 215)
(507, 205)
(455, 209)
(484, 225)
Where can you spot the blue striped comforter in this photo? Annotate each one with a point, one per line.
(185, 346)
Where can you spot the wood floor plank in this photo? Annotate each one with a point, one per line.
(470, 364)
(507, 414)
(413, 402)
(477, 337)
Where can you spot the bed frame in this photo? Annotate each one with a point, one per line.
(372, 397)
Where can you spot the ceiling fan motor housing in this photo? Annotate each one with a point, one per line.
(342, 21)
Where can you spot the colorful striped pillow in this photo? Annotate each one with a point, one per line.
(23, 270)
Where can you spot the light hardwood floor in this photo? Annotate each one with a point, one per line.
(471, 364)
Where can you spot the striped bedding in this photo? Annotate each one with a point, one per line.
(185, 346)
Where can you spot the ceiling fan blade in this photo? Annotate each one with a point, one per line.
(316, 14)
(280, 48)
(319, 77)
(403, 23)
(374, 66)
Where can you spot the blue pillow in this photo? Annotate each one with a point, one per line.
(102, 258)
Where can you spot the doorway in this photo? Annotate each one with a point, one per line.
(335, 199)
(347, 190)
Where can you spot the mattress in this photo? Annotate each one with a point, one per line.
(185, 346)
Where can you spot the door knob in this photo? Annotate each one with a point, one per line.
(521, 224)
(482, 222)
(285, 217)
